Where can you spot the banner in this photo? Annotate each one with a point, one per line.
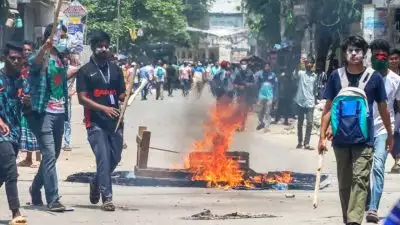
(75, 37)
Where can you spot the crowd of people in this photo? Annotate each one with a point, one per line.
(361, 114)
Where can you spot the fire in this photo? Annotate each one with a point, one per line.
(215, 167)
(275, 178)
(208, 161)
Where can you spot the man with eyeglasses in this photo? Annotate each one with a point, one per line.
(351, 93)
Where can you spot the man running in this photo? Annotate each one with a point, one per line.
(100, 87)
(394, 65)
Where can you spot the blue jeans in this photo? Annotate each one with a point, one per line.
(378, 171)
(49, 129)
(107, 148)
(67, 127)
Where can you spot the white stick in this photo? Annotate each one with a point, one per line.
(318, 178)
(142, 85)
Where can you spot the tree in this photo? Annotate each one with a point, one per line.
(332, 18)
(161, 20)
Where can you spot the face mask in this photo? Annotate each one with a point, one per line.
(100, 51)
(244, 67)
(62, 45)
(379, 62)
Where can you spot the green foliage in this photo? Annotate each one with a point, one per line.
(161, 20)
(264, 19)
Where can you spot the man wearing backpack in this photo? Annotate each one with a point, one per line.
(350, 93)
(160, 74)
(380, 55)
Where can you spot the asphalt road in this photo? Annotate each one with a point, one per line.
(175, 123)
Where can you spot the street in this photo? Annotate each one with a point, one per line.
(175, 123)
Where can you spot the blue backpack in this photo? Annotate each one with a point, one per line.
(350, 112)
(160, 72)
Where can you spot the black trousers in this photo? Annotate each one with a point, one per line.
(9, 174)
(170, 86)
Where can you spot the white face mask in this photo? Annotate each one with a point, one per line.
(101, 50)
(244, 67)
(354, 54)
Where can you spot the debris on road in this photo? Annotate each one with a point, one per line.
(290, 195)
(208, 215)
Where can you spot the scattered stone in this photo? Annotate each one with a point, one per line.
(207, 215)
(290, 195)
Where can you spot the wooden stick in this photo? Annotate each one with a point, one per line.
(125, 104)
(318, 178)
(164, 150)
(53, 32)
(142, 86)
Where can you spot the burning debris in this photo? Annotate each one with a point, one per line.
(207, 215)
(210, 160)
(209, 164)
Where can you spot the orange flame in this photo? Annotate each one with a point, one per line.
(214, 166)
(208, 161)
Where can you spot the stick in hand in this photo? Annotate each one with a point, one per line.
(125, 104)
(318, 178)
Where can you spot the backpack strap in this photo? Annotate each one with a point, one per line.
(365, 78)
(344, 81)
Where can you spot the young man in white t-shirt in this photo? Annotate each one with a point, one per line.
(380, 55)
(394, 65)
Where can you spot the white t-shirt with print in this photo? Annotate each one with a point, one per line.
(392, 86)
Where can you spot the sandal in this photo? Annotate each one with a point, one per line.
(19, 220)
(24, 163)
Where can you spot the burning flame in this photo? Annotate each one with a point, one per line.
(208, 160)
(215, 167)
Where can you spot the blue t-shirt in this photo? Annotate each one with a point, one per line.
(375, 91)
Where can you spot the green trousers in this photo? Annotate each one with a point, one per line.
(353, 170)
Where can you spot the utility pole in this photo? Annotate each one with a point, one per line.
(118, 25)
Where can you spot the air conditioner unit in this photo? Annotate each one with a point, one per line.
(39, 31)
(13, 4)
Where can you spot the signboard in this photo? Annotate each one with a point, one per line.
(75, 9)
(368, 23)
(375, 25)
(75, 37)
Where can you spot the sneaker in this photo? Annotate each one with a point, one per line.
(108, 206)
(308, 147)
(56, 206)
(299, 146)
(36, 200)
(372, 217)
(67, 148)
(260, 126)
(94, 193)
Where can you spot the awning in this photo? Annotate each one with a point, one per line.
(219, 32)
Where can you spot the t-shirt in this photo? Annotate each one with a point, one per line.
(184, 72)
(171, 72)
(268, 85)
(392, 86)
(90, 80)
(160, 73)
(56, 85)
(198, 73)
(375, 91)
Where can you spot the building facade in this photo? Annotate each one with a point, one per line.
(226, 36)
